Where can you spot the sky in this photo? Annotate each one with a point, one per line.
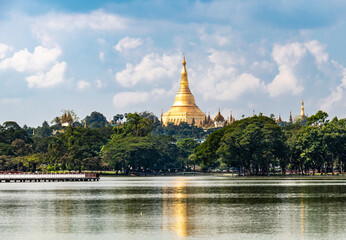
(125, 56)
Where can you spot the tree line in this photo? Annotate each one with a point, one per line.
(137, 142)
(258, 146)
(129, 146)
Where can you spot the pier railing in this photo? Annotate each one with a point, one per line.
(37, 177)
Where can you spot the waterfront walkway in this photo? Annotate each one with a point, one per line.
(47, 177)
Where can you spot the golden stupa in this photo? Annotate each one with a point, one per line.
(184, 108)
(302, 115)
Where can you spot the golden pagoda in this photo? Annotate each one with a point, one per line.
(184, 108)
(302, 112)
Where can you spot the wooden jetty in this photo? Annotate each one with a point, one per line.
(47, 177)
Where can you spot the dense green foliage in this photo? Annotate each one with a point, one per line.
(182, 131)
(129, 146)
(257, 145)
(138, 143)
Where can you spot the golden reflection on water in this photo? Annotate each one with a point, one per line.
(174, 210)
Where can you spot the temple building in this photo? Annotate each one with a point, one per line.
(184, 108)
(219, 120)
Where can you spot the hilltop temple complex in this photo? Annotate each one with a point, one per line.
(185, 109)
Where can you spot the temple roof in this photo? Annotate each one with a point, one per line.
(219, 117)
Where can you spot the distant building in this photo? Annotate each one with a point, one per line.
(219, 120)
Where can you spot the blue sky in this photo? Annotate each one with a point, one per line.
(125, 56)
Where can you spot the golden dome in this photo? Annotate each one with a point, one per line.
(184, 108)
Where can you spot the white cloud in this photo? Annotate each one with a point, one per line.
(4, 50)
(336, 96)
(152, 68)
(23, 60)
(47, 28)
(284, 83)
(289, 54)
(287, 57)
(223, 82)
(45, 80)
(102, 56)
(263, 65)
(232, 89)
(222, 37)
(128, 43)
(318, 51)
(222, 58)
(96, 20)
(83, 85)
(125, 99)
(99, 84)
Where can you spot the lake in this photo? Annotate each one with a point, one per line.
(203, 207)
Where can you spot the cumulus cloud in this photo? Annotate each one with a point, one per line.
(317, 50)
(23, 60)
(222, 58)
(127, 99)
(83, 85)
(49, 79)
(223, 82)
(153, 67)
(128, 43)
(287, 57)
(96, 20)
(41, 64)
(47, 28)
(336, 95)
(232, 89)
(4, 49)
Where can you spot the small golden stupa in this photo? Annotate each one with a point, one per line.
(302, 112)
(184, 108)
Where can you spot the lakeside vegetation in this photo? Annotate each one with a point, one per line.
(138, 143)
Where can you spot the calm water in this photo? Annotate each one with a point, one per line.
(174, 208)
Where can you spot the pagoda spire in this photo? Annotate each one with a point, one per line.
(184, 83)
(291, 118)
(302, 112)
(184, 72)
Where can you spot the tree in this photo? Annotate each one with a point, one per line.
(206, 152)
(186, 148)
(20, 148)
(168, 153)
(254, 144)
(130, 153)
(137, 126)
(311, 148)
(96, 120)
(44, 131)
(319, 118)
(118, 118)
(334, 137)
